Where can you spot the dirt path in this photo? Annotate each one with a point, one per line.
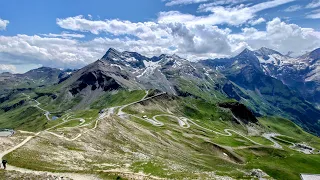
(16, 147)
(74, 176)
(68, 118)
(22, 170)
(46, 113)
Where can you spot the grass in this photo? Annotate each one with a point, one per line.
(25, 118)
(21, 159)
(88, 115)
(291, 131)
(71, 123)
(71, 147)
(264, 158)
(175, 152)
(121, 97)
(289, 139)
(281, 164)
(232, 141)
(261, 140)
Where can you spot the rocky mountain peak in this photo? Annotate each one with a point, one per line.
(247, 58)
(43, 70)
(162, 56)
(246, 51)
(246, 54)
(112, 54)
(172, 57)
(266, 51)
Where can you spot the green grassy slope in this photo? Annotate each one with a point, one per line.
(170, 150)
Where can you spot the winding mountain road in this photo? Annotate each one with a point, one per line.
(182, 121)
(46, 113)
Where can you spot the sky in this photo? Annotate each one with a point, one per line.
(72, 34)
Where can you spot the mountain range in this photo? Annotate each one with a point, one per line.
(269, 83)
(131, 116)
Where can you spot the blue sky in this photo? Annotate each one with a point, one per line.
(69, 34)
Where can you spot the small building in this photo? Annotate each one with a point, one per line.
(145, 116)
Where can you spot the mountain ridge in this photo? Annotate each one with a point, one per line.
(242, 78)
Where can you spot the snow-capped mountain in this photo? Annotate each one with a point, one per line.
(273, 83)
(301, 73)
(154, 72)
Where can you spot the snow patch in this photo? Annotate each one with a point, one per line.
(131, 59)
(150, 68)
(116, 65)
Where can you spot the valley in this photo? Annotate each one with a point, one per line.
(127, 116)
(166, 121)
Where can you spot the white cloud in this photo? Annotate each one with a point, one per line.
(192, 41)
(55, 52)
(293, 8)
(257, 21)
(222, 3)
(280, 36)
(314, 14)
(3, 24)
(200, 39)
(179, 2)
(313, 4)
(7, 68)
(220, 14)
(187, 39)
(145, 30)
(215, 2)
(64, 35)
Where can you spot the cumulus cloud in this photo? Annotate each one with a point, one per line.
(187, 39)
(3, 24)
(220, 14)
(7, 68)
(56, 52)
(293, 8)
(200, 39)
(280, 36)
(313, 4)
(192, 41)
(257, 21)
(143, 30)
